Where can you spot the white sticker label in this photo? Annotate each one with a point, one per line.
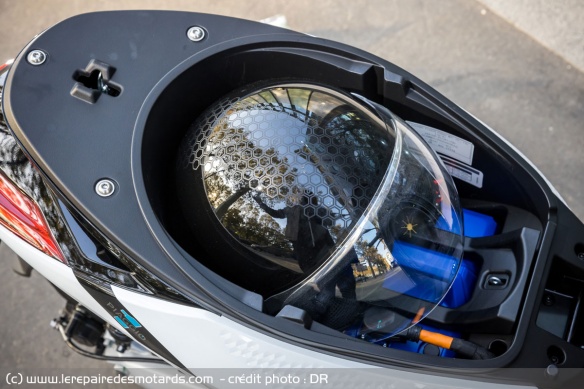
(446, 144)
(462, 171)
(456, 153)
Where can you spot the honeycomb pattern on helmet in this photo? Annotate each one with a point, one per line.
(289, 153)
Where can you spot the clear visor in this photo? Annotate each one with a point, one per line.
(340, 192)
(400, 258)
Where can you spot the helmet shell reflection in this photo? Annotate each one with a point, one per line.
(289, 168)
(321, 200)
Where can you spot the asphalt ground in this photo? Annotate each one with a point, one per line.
(528, 94)
(555, 24)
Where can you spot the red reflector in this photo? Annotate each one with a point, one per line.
(23, 217)
(5, 65)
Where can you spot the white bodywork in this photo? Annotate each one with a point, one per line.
(203, 341)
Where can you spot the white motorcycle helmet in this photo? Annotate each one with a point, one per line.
(322, 201)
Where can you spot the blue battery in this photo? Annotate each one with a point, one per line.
(431, 270)
(461, 290)
(425, 273)
(475, 225)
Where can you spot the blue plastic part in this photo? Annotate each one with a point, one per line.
(429, 288)
(475, 225)
(461, 290)
(454, 228)
(478, 225)
(432, 270)
(426, 273)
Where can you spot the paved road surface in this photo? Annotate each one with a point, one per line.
(531, 96)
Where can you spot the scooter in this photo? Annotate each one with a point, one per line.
(294, 211)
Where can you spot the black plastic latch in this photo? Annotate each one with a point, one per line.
(95, 80)
(296, 315)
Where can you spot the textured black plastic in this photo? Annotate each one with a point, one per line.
(76, 144)
(166, 80)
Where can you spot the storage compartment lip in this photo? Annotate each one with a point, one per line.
(235, 308)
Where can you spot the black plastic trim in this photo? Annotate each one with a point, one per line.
(105, 139)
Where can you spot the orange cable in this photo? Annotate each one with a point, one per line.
(436, 339)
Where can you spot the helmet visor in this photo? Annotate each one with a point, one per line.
(338, 191)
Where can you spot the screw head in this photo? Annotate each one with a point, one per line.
(196, 33)
(36, 57)
(552, 371)
(105, 188)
